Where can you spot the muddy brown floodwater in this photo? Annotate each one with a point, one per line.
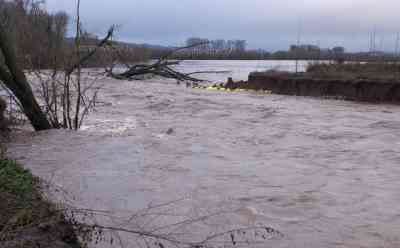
(323, 172)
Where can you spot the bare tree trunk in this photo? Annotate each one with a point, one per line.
(3, 121)
(78, 76)
(14, 78)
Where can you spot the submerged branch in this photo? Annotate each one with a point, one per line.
(162, 67)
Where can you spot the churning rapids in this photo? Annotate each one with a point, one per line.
(325, 173)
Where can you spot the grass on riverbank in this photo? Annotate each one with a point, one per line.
(26, 218)
(378, 71)
(374, 71)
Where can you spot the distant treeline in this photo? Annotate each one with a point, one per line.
(38, 35)
(41, 41)
(41, 37)
(261, 55)
(237, 50)
(279, 55)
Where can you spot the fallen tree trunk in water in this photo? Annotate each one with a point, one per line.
(160, 68)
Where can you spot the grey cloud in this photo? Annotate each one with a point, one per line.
(269, 24)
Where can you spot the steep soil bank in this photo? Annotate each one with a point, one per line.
(27, 220)
(358, 90)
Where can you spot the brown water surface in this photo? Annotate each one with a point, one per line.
(324, 172)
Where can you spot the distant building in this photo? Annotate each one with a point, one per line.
(338, 50)
(304, 48)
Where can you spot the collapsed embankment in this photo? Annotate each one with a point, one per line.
(288, 84)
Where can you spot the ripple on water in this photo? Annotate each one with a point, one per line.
(393, 125)
(322, 171)
(114, 127)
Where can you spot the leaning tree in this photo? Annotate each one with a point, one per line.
(64, 103)
(12, 75)
(14, 79)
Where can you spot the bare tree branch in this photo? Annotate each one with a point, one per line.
(160, 68)
(102, 43)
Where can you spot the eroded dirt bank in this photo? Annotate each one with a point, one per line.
(358, 90)
(27, 218)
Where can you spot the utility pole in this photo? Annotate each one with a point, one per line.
(396, 54)
(396, 49)
(374, 40)
(298, 45)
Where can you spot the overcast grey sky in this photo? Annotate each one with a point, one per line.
(268, 24)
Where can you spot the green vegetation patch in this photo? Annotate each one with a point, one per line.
(26, 218)
(16, 180)
(20, 200)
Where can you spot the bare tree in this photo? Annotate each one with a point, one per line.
(3, 120)
(42, 45)
(14, 78)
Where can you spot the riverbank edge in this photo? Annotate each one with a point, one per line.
(27, 218)
(354, 90)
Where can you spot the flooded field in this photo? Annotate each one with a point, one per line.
(325, 173)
